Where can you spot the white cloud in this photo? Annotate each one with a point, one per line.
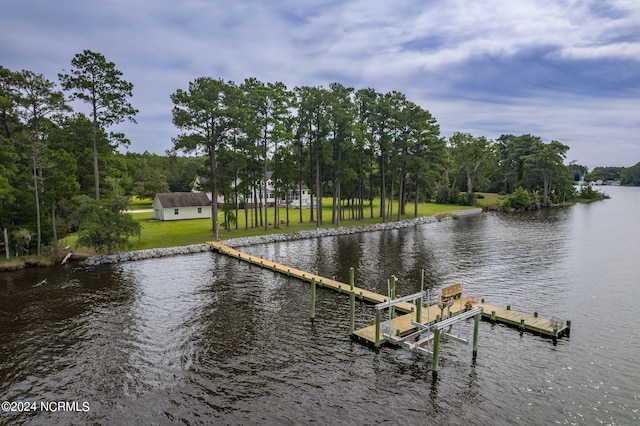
(462, 60)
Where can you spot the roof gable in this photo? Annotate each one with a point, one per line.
(182, 199)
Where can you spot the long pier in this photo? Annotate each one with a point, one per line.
(403, 325)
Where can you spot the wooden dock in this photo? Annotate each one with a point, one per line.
(401, 325)
(532, 323)
(338, 286)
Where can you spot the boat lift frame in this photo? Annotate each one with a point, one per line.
(431, 331)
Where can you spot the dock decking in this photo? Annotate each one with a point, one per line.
(401, 324)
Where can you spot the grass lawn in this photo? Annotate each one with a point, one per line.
(158, 234)
(183, 232)
(490, 199)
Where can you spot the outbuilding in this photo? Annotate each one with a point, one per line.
(181, 205)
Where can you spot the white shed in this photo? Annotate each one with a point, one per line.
(181, 205)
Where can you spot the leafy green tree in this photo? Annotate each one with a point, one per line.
(547, 160)
(340, 113)
(520, 198)
(38, 100)
(9, 159)
(577, 171)
(104, 225)
(630, 175)
(265, 106)
(98, 83)
(314, 125)
(511, 150)
(470, 155)
(605, 173)
(365, 105)
(61, 184)
(208, 113)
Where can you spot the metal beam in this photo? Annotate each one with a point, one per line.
(461, 316)
(390, 303)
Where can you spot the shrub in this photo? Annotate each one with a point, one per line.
(446, 195)
(520, 198)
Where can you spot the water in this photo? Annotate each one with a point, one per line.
(206, 339)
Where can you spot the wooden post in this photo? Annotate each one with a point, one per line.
(393, 295)
(352, 302)
(313, 298)
(476, 322)
(436, 349)
(521, 326)
(419, 311)
(6, 243)
(377, 337)
(535, 315)
(508, 307)
(493, 316)
(568, 331)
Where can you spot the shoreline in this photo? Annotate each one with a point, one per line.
(269, 239)
(154, 253)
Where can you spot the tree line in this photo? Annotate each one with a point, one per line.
(61, 171)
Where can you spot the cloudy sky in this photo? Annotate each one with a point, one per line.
(558, 69)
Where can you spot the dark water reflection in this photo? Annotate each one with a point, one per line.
(206, 339)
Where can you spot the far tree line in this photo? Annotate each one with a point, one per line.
(60, 170)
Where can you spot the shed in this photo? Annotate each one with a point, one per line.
(181, 205)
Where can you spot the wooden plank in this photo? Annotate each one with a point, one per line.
(531, 323)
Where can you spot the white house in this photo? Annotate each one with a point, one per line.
(298, 199)
(181, 205)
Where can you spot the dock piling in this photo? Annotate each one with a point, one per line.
(436, 349)
(313, 298)
(352, 302)
(393, 295)
(377, 331)
(476, 323)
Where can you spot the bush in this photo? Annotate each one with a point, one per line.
(520, 198)
(467, 200)
(446, 195)
(589, 194)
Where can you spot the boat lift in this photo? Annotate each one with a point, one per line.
(427, 332)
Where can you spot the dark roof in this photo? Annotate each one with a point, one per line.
(183, 199)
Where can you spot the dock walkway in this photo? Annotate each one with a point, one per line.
(401, 325)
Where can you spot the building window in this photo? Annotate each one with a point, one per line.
(199, 210)
(175, 211)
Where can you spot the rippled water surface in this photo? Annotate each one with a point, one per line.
(206, 339)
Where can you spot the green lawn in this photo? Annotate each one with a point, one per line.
(158, 234)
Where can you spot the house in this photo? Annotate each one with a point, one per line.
(181, 205)
(297, 199)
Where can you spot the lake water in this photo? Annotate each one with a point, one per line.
(205, 339)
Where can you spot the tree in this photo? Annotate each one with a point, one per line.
(38, 101)
(208, 114)
(266, 108)
(547, 160)
(104, 226)
(340, 114)
(469, 154)
(314, 124)
(630, 175)
(97, 82)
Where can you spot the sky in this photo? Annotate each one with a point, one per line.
(558, 69)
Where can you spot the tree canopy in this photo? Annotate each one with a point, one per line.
(253, 142)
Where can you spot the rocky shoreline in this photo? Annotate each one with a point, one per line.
(263, 239)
